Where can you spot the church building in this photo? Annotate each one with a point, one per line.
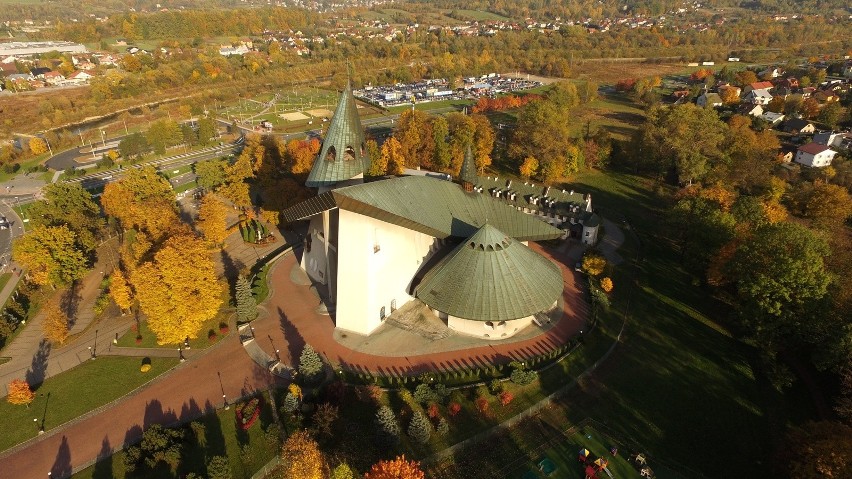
(372, 247)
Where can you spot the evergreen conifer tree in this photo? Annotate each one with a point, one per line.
(310, 364)
(443, 427)
(388, 426)
(419, 429)
(246, 304)
(291, 403)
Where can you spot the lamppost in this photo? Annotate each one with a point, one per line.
(103, 138)
(49, 149)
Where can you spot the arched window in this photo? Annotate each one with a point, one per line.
(363, 149)
(331, 154)
(349, 154)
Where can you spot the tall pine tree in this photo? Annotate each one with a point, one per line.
(388, 426)
(246, 304)
(419, 429)
(310, 364)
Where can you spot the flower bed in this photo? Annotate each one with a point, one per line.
(248, 413)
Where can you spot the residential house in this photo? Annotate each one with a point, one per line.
(815, 155)
(771, 73)
(786, 154)
(830, 138)
(709, 100)
(761, 85)
(781, 91)
(39, 72)
(53, 78)
(847, 71)
(78, 78)
(789, 82)
(758, 97)
(798, 126)
(749, 109)
(228, 51)
(807, 92)
(772, 118)
(826, 96)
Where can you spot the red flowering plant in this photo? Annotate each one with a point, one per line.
(248, 413)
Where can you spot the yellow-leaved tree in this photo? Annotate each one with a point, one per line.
(55, 325)
(594, 264)
(391, 160)
(301, 457)
(606, 284)
(20, 393)
(397, 468)
(213, 220)
(178, 290)
(143, 200)
(119, 290)
(530, 167)
(38, 145)
(50, 254)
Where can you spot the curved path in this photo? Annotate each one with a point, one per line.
(292, 321)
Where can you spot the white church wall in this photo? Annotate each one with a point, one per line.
(590, 235)
(493, 330)
(315, 262)
(378, 260)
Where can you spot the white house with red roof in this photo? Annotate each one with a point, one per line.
(78, 78)
(814, 154)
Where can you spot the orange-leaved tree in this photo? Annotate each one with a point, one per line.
(178, 290)
(119, 290)
(530, 167)
(55, 325)
(397, 468)
(213, 220)
(606, 284)
(20, 393)
(301, 457)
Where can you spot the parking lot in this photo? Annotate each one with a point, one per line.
(441, 90)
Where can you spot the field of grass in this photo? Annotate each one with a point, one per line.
(4, 278)
(677, 345)
(247, 451)
(478, 15)
(73, 393)
(149, 339)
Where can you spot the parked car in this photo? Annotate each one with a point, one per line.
(4, 225)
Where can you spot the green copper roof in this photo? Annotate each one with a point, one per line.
(468, 168)
(343, 155)
(435, 207)
(491, 277)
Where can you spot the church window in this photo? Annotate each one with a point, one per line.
(331, 154)
(382, 313)
(349, 154)
(393, 305)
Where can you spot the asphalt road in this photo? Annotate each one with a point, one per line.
(15, 229)
(66, 159)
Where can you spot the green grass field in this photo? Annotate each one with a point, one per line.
(478, 15)
(73, 393)
(247, 451)
(149, 339)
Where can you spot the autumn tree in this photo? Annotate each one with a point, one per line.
(483, 141)
(236, 188)
(210, 173)
(745, 77)
(729, 95)
(55, 325)
(71, 205)
(300, 155)
(119, 290)
(301, 457)
(163, 134)
(391, 160)
(178, 290)
(213, 220)
(415, 138)
(529, 168)
(563, 96)
(441, 154)
(244, 299)
(606, 285)
(684, 138)
(143, 200)
(397, 468)
(51, 255)
(817, 450)
(37, 145)
(342, 471)
(751, 155)
(543, 133)
(829, 205)
(462, 130)
(701, 226)
(594, 264)
(780, 276)
(20, 393)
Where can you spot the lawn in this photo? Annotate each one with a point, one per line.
(149, 339)
(681, 384)
(25, 165)
(478, 15)
(91, 385)
(247, 451)
(4, 278)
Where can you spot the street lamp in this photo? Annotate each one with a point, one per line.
(103, 138)
(49, 149)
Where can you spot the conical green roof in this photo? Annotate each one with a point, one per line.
(343, 155)
(491, 277)
(468, 168)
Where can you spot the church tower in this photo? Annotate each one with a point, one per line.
(343, 155)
